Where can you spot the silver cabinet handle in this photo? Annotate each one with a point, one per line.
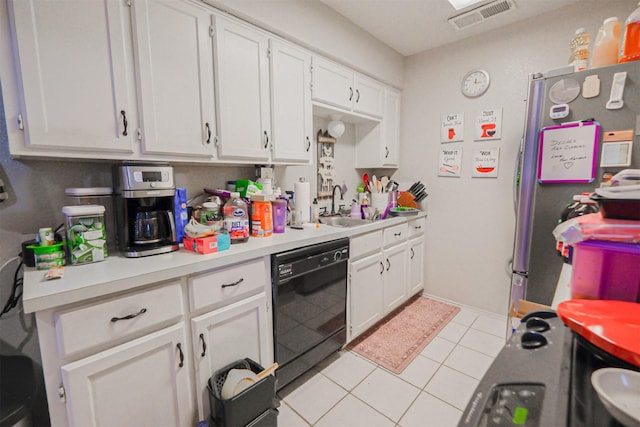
(130, 316)
(381, 268)
(236, 283)
(308, 144)
(350, 93)
(357, 95)
(208, 133)
(397, 234)
(387, 154)
(412, 253)
(266, 139)
(388, 264)
(124, 122)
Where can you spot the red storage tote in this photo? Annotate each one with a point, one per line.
(606, 270)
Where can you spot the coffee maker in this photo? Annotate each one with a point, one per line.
(144, 209)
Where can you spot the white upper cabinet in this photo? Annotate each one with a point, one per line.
(74, 66)
(338, 86)
(291, 114)
(174, 73)
(378, 144)
(242, 91)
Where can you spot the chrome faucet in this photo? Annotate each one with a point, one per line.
(333, 198)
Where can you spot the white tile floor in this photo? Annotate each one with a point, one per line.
(347, 390)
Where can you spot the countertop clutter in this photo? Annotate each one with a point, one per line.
(118, 273)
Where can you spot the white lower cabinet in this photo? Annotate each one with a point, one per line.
(137, 358)
(228, 334)
(379, 276)
(395, 276)
(143, 382)
(416, 265)
(366, 293)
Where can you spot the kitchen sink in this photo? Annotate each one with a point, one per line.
(340, 221)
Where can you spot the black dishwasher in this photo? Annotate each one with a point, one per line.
(309, 306)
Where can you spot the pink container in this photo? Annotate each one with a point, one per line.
(606, 270)
(279, 215)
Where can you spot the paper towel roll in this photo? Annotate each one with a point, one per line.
(302, 199)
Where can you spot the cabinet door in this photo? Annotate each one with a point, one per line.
(368, 97)
(242, 91)
(142, 382)
(174, 70)
(231, 333)
(332, 84)
(75, 67)
(416, 265)
(291, 115)
(391, 129)
(366, 295)
(395, 276)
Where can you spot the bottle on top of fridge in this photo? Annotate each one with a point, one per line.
(579, 47)
(236, 219)
(607, 45)
(631, 43)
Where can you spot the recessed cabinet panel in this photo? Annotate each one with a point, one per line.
(231, 333)
(416, 265)
(369, 97)
(332, 84)
(366, 293)
(74, 66)
(138, 383)
(174, 70)
(291, 115)
(242, 91)
(395, 276)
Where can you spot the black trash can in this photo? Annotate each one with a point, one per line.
(255, 406)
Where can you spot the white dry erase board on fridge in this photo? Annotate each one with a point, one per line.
(568, 153)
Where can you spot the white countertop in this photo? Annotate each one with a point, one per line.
(118, 273)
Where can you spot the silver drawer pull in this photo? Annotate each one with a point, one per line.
(397, 234)
(418, 227)
(130, 316)
(234, 283)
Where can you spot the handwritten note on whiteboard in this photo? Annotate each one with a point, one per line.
(568, 153)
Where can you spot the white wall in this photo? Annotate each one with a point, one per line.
(318, 27)
(471, 221)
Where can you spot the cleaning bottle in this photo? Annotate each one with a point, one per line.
(607, 46)
(579, 47)
(631, 43)
(236, 219)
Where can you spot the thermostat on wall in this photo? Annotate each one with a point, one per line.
(559, 111)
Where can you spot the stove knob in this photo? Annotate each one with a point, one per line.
(537, 324)
(531, 340)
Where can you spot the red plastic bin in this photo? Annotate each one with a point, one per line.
(606, 270)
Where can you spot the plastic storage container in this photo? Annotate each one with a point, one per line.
(50, 256)
(102, 196)
(86, 233)
(606, 49)
(255, 406)
(618, 208)
(579, 47)
(606, 270)
(631, 43)
(236, 219)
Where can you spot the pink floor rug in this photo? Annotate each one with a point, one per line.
(398, 338)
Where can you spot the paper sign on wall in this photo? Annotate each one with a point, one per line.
(452, 127)
(485, 162)
(488, 125)
(449, 162)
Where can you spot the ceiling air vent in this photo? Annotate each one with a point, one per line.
(481, 14)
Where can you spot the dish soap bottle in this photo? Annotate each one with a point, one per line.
(236, 219)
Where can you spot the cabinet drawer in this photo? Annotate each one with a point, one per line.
(364, 244)
(112, 321)
(227, 284)
(396, 234)
(416, 226)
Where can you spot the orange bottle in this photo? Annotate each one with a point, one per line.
(607, 46)
(631, 44)
(261, 219)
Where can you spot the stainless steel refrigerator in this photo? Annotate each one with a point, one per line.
(536, 263)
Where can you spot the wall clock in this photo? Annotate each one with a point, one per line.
(475, 83)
